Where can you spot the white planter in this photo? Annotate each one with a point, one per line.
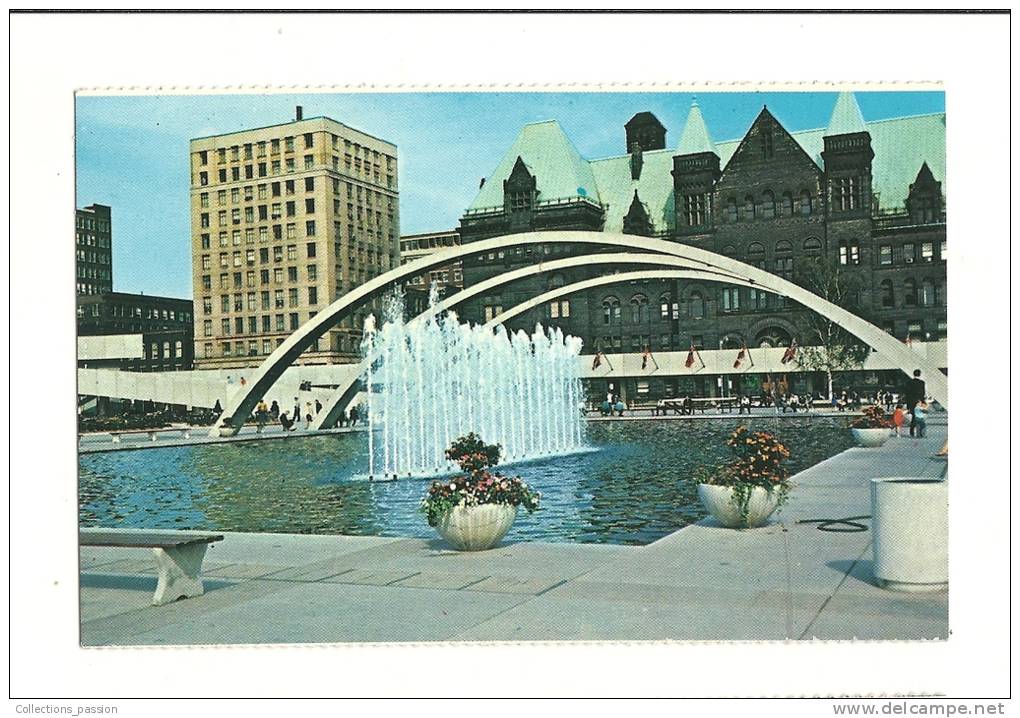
(719, 501)
(909, 519)
(476, 528)
(871, 438)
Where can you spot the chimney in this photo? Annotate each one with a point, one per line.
(299, 113)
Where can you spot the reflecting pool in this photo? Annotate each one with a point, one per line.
(635, 488)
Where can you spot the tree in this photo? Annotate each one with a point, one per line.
(827, 346)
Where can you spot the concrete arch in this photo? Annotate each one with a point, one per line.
(344, 394)
(240, 405)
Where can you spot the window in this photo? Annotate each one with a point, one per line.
(292, 274)
(928, 293)
(309, 184)
(205, 261)
(909, 253)
(665, 304)
(886, 291)
(759, 299)
(264, 276)
(639, 309)
(805, 203)
(294, 321)
(885, 255)
(766, 143)
(942, 250)
(207, 328)
(849, 253)
(310, 228)
(278, 275)
(309, 137)
(309, 162)
(749, 207)
(610, 310)
(292, 297)
(278, 299)
(927, 252)
(559, 309)
(731, 210)
(768, 205)
(696, 305)
(203, 178)
(204, 200)
(291, 209)
(310, 249)
(813, 246)
(291, 251)
(731, 299)
(204, 219)
(909, 293)
(786, 207)
(520, 201)
(695, 209)
(313, 295)
(846, 194)
(313, 273)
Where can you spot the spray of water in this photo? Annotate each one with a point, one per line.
(440, 379)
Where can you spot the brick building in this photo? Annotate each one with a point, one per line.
(867, 196)
(93, 250)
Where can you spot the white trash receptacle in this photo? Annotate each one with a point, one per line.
(909, 519)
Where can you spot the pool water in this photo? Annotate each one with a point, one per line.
(635, 488)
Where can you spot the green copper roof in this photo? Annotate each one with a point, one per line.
(695, 137)
(901, 146)
(558, 168)
(654, 188)
(846, 116)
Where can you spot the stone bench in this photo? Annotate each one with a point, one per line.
(179, 556)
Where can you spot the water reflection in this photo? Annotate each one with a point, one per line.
(638, 487)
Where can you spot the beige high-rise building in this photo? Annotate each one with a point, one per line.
(284, 220)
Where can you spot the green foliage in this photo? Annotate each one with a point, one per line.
(478, 486)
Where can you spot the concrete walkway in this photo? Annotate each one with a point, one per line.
(100, 441)
(783, 581)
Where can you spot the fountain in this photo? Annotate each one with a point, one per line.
(439, 379)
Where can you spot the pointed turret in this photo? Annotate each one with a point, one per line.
(924, 203)
(847, 158)
(846, 116)
(695, 138)
(695, 171)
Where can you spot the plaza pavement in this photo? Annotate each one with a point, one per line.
(782, 581)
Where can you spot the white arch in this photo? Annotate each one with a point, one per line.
(240, 405)
(344, 393)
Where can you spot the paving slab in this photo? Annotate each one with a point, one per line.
(368, 577)
(334, 613)
(451, 581)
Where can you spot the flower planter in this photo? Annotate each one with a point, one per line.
(720, 502)
(870, 438)
(476, 528)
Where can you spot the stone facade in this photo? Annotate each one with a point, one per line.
(768, 202)
(285, 219)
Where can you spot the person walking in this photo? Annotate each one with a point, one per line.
(920, 419)
(308, 415)
(296, 414)
(261, 415)
(914, 394)
(274, 411)
(898, 417)
(318, 406)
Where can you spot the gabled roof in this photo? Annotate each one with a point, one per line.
(558, 168)
(901, 146)
(695, 137)
(846, 116)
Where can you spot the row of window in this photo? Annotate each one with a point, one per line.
(251, 347)
(441, 277)
(249, 149)
(254, 325)
(265, 276)
(90, 288)
(910, 253)
(87, 239)
(94, 257)
(289, 165)
(766, 207)
(84, 222)
(87, 272)
(927, 293)
(409, 245)
(265, 300)
(263, 255)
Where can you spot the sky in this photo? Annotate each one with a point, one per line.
(132, 151)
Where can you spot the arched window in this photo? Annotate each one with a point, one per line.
(784, 259)
(665, 304)
(928, 293)
(696, 305)
(755, 250)
(886, 290)
(805, 203)
(729, 250)
(610, 310)
(639, 309)
(909, 293)
(786, 208)
(732, 341)
(556, 281)
(812, 246)
(783, 247)
(749, 207)
(768, 205)
(731, 209)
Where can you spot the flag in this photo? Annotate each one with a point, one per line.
(740, 357)
(597, 361)
(790, 352)
(646, 356)
(690, 357)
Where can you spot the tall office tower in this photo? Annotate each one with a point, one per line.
(285, 219)
(93, 250)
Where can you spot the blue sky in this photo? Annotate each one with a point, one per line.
(132, 151)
